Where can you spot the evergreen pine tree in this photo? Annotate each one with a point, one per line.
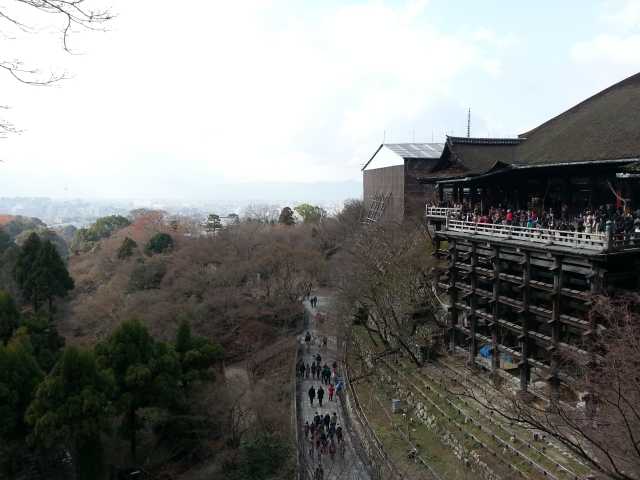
(196, 355)
(23, 268)
(126, 248)
(9, 316)
(286, 217)
(52, 278)
(73, 405)
(19, 379)
(40, 272)
(146, 372)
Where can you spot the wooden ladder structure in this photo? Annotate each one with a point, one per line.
(375, 210)
(371, 219)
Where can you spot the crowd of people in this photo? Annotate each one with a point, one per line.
(324, 435)
(586, 221)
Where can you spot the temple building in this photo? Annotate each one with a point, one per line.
(517, 293)
(388, 179)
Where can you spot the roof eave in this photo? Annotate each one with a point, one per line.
(524, 167)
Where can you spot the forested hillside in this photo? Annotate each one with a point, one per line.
(241, 286)
(111, 356)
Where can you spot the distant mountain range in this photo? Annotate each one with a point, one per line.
(135, 186)
(266, 191)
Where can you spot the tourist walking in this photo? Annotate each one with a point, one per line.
(312, 395)
(319, 450)
(319, 393)
(330, 391)
(307, 340)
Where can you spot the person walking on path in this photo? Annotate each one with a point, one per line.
(307, 370)
(331, 391)
(302, 369)
(332, 450)
(307, 340)
(319, 450)
(305, 429)
(312, 395)
(320, 395)
(325, 340)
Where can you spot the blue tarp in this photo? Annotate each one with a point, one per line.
(484, 351)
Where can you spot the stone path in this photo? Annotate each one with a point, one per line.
(351, 467)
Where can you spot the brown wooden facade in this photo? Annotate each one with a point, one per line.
(526, 293)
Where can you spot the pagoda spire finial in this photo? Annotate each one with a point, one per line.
(469, 123)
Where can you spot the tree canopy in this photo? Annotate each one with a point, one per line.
(45, 234)
(84, 239)
(159, 243)
(310, 213)
(40, 272)
(126, 248)
(72, 404)
(20, 376)
(146, 372)
(286, 217)
(196, 355)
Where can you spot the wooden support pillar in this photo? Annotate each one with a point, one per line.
(495, 341)
(592, 193)
(566, 192)
(543, 192)
(473, 304)
(440, 192)
(472, 197)
(626, 194)
(556, 325)
(522, 197)
(483, 202)
(525, 370)
(453, 296)
(594, 287)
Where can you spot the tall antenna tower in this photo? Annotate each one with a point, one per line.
(469, 123)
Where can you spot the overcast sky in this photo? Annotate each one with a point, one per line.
(225, 92)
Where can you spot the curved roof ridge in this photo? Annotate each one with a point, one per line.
(632, 80)
(484, 141)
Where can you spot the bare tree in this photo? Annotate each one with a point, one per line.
(384, 279)
(262, 212)
(66, 16)
(604, 428)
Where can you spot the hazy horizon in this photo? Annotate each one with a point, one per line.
(279, 90)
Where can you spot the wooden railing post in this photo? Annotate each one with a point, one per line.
(608, 236)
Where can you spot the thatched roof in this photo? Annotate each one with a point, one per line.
(603, 127)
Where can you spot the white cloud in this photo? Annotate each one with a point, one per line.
(627, 16)
(608, 49)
